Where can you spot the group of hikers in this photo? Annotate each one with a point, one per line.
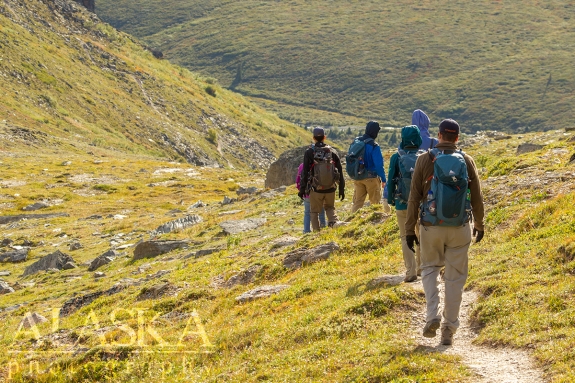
(436, 192)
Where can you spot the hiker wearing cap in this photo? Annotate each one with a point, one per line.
(373, 181)
(401, 167)
(306, 211)
(321, 174)
(446, 188)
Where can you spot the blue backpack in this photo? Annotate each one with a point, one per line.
(448, 201)
(406, 164)
(355, 158)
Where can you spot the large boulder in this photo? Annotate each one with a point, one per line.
(16, 255)
(149, 249)
(284, 170)
(56, 260)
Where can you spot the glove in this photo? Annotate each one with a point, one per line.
(301, 194)
(478, 234)
(341, 194)
(411, 240)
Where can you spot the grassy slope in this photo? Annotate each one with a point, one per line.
(488, 64)
(326, 326)
(83, 83)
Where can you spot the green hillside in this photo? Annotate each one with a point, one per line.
(72, 82)
(489, 64)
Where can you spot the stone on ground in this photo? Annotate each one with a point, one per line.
(36, 206)
(389, 280)
(149, 249)
(297, 258)
(157, 291)
(242, 278)
(17, 255)
(57, 260)
(5, 288)
(260, 292)
(240, 226)
(103, 259)
(33, 319)
(179, 224)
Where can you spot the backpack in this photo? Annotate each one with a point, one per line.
(354, 159)
(324, 174)
(448, 202)
(406, 164)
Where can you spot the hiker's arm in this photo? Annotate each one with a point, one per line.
(476, 195)
(415, 196)
(340, 169)
(391, 174)
(377, 159)
(305, 172)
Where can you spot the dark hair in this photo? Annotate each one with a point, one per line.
(451, 137)
(319, 138)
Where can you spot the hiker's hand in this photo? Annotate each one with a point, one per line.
(300, 194)
(411, 242)
(341, 194)
(478, 234)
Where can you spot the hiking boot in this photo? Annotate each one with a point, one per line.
(447, 336)
(429, 331)
(407, 279)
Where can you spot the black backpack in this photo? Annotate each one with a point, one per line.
(324, 173)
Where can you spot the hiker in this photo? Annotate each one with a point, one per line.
(420, 119)
(321, 174)
(306, 212)
(446, 186)
(371, 179)
(401, 167)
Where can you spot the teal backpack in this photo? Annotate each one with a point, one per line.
(448, 202)
(406, 164)
(355, 161)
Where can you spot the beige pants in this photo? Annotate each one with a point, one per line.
(412, 261)
(317, 201)
(363, 188)
(444, 246)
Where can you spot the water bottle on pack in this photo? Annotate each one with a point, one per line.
(432, 206)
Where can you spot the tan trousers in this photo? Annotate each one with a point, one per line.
(444, 246)
(412, 261)
(363, 188)
(317, 201)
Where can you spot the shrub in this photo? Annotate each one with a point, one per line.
(211, 90)
(212, 135)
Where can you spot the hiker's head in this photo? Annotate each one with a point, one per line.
(318, 134)
(420, 119)
(448, 131)
(372, 129)
(410, 137)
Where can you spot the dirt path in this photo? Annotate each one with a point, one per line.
(490, 365)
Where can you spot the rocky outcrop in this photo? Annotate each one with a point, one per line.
(56, 260)
(179, 224)
(284, 170)
(236, 227)
(149, 249)
(103, 259)
(300, 257)
(16, 255)
(89, 4)
(260, 292)
(74, 304)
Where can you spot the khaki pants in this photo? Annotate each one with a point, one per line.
(444, 246)
(317, 201)
(363, 188)
(412, 261)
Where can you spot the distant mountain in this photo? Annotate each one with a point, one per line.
(70, 81)
(491, 65)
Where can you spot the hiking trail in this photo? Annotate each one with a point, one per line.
(490, 365)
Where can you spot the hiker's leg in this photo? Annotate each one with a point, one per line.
(418, 252)
(329, 205)
(456, 261)
(408, 256)
(315, 204)
(322, 222)
(306, 216)
(373, 186)
(359, 194)
(432, 260)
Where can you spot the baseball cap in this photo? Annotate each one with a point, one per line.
(318, 132)
(449, 126)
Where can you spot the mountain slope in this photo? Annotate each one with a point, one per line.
(491, 65)
(70, 80)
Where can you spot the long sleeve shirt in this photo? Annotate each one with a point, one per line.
(307, 164)
(421, 183)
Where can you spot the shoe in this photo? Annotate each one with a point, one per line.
(413, 278)
(430, 328)
(447, 336)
